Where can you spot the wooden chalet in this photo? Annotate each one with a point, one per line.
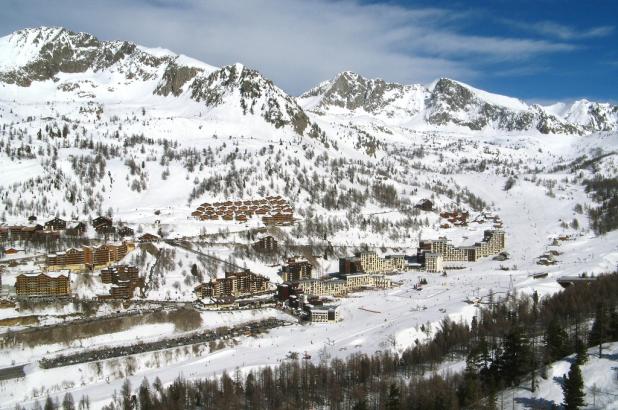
(101, 221)
(125, 231)
(105, 229)
(20, 233)
(78, 230)
(55, 224)
(424, 205)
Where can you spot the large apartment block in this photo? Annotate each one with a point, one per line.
(43, 284)
(370, 262)
(434, 262)
(234, 284)
(493, 243)
(124, 280)
(340, 287)
(362, 280)
(89, 256)
(317, 287)
(296, 269)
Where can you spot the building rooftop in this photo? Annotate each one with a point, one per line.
(55, 274)
(324, 308)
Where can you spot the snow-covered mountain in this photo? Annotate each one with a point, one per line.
(80, 66)
(448, 102)
(592, 116)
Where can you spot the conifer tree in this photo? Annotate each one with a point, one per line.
(393, 401)
(613, 325)
(516, 358)
(581, 351)
(49, 404)
(600, 328)
(67, 402)
(360, 405)
(573, 389)
(555, 341)
(145, 402)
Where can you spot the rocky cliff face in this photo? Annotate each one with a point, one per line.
(255, 94)
(174, 79)
(56, 50)
(451, 102)
(351, 91)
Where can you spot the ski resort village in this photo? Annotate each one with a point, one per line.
(179, 235)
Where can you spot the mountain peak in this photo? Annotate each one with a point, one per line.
(351, 91)
(41, 33)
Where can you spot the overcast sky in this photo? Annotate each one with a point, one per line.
(538, 50)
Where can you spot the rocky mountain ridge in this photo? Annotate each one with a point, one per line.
(35, 56)
(449, 102)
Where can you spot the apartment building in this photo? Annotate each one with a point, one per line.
(324, 314)
(349, 265)
(434, 262)
(347, 283)
(234, 284)
(57, 284)
(266, 244)
(493, 242)
(91, 257)
(296, 269)
(316, 287)
(363, 280)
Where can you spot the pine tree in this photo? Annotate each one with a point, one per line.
(613, 325)
(600, 328)
(360, 405)
(573, 389)
(582, 352)
(393, 401)
(125, 391)
(68, 403)
(49, 404)
(470, 389)
(555, 341)
(516, 358)
(145, 400)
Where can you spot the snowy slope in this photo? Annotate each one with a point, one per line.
(600, 383)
